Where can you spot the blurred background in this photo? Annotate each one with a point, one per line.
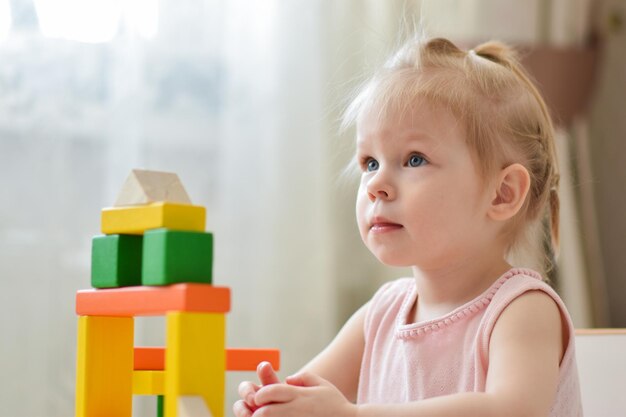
(243, 100)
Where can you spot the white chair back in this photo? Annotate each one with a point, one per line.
(601, 357)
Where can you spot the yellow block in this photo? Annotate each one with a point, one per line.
(104, 368)
(148, 382)
(137, 219)
(195, 360)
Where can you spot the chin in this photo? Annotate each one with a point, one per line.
(392, 259)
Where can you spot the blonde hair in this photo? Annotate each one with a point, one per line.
(505, 117)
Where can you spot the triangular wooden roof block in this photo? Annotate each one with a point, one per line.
(145, 187)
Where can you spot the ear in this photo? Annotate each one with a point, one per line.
(509, 193)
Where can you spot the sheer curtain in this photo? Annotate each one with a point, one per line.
(231, 95)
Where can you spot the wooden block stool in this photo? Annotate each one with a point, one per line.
(110, 370)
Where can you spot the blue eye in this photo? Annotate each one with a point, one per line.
(416, 160)
(372, 165)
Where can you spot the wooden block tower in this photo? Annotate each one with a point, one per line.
(154, 258)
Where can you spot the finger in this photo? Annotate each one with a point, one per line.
(266, 374)
(275, 393)
(276, 409)
(241, 409)
(247, 387)
(294, 380)
(306, 379)
(247, 390)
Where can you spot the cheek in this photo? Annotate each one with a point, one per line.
(361, 210)
(451, 216)
(436, 217)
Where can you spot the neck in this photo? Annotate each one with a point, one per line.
(441, 290)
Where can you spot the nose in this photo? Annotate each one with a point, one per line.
(379, 187)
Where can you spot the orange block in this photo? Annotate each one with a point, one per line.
(249, 359)
(149, 358)
(153, 301)
(153, 358)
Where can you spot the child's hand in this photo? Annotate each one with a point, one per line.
(247, 390)
(305, 394)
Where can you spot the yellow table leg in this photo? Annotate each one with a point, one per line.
(195, 360)
(104, 370)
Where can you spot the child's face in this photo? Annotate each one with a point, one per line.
(421, 201)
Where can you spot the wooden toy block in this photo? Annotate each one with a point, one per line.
(195, 360)
(116, 261)
(135, 220)
(149, 358)
(153, 358)
(145, 187)
(148, 382)
(249, 359)
(104, 367)
(152, 301)
(160, 408)
(172, 256)
(192, 406)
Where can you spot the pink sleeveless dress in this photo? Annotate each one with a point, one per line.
(409, 362)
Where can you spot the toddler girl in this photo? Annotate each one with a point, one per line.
(458, 168)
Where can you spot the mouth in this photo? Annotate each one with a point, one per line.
(382, 225)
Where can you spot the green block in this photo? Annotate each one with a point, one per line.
(159, 406)
(173, 256)
(116, 261)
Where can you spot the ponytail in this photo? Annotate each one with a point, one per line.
(555, 206)
(497, 52)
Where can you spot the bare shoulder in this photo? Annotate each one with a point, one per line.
(532, 312)
(535, 318)
(525, 351)
(533, 303)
